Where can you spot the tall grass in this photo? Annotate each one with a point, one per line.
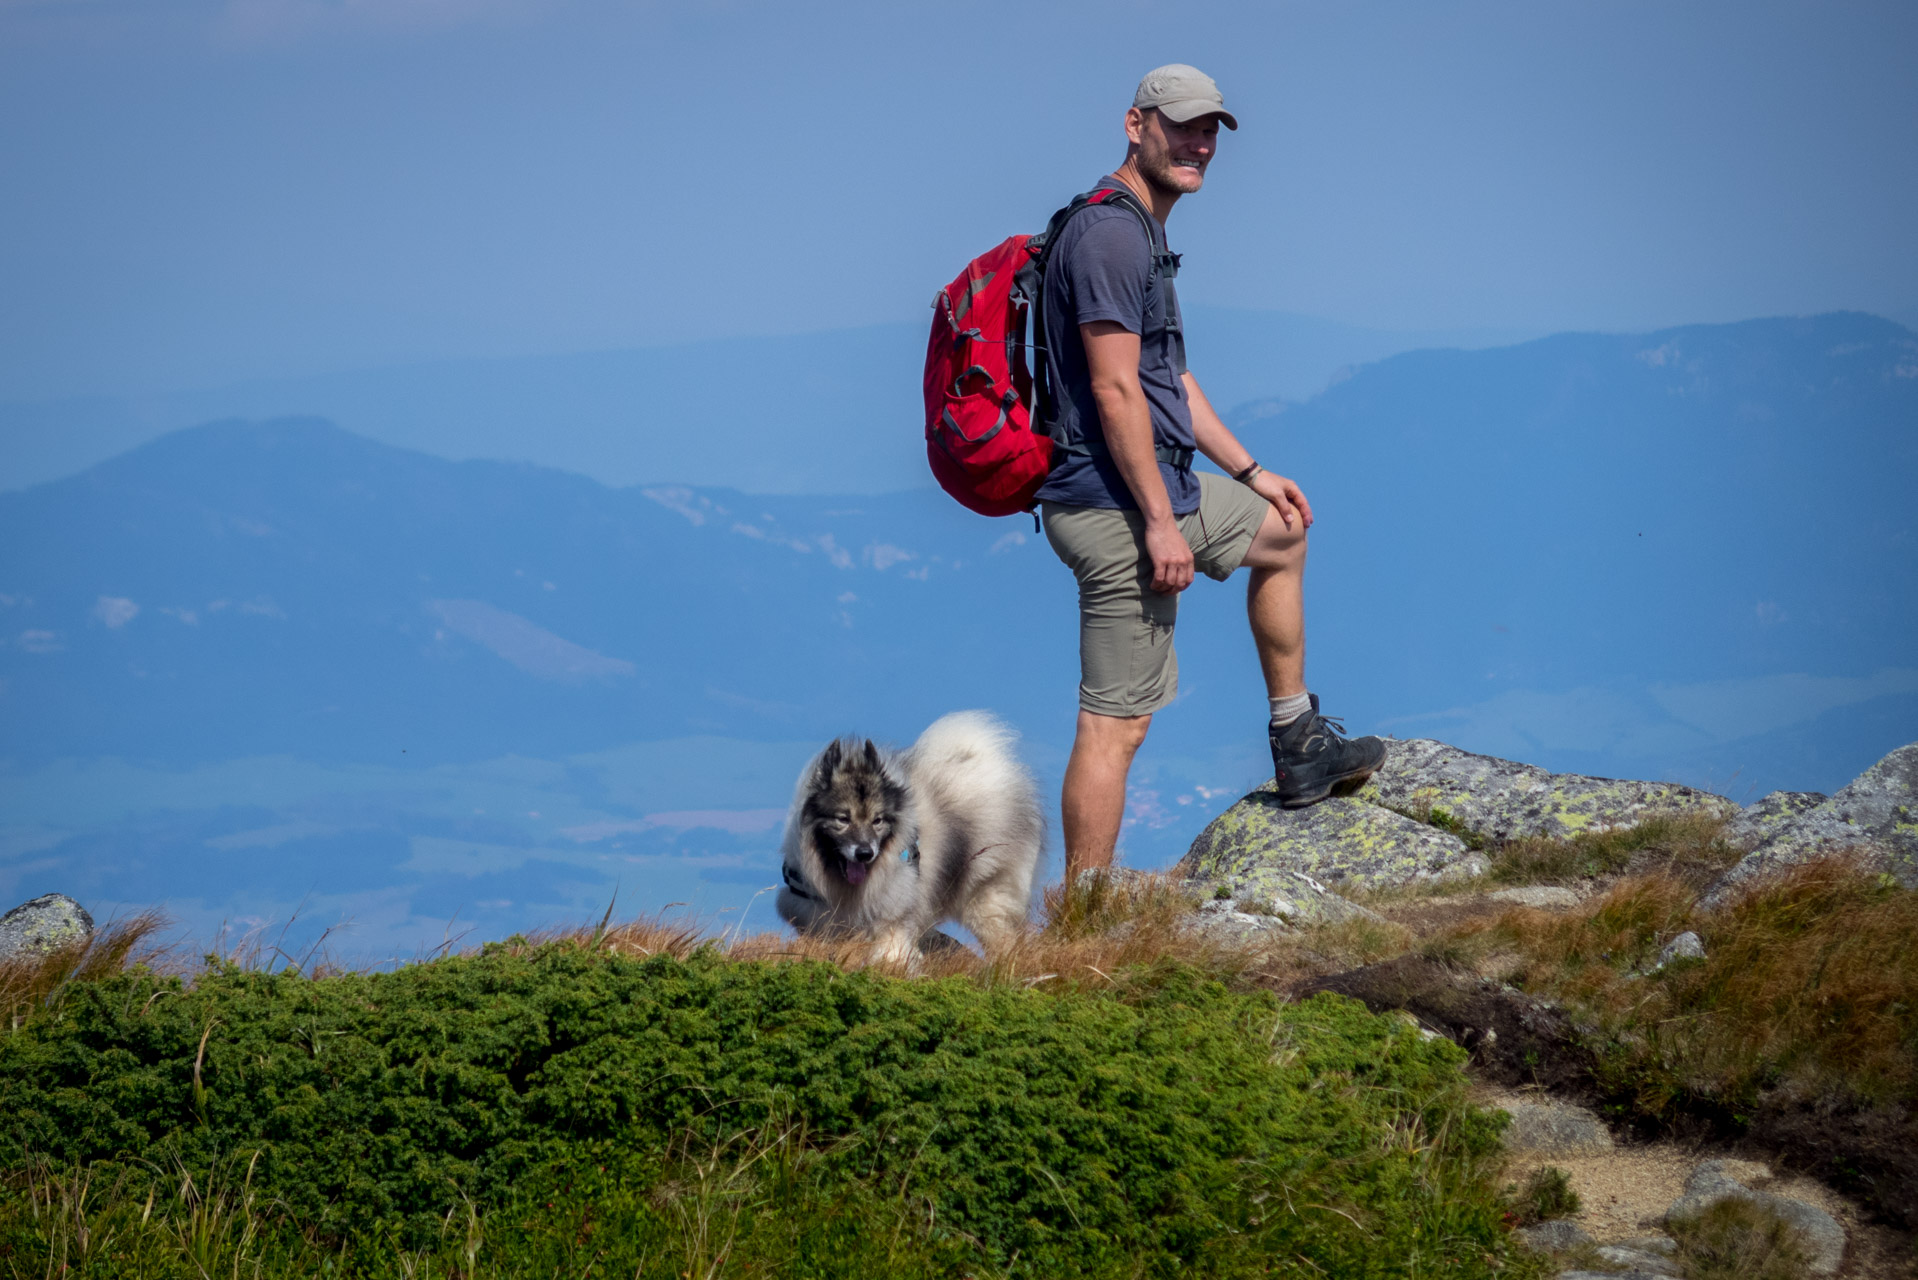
(1809, 985)
(30, 982)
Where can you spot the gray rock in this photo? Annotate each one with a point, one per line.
(1279, 896)
(1553, 1237)
(1748, 1173)
(1221, 919)
(1686, 946)
(1663, 1246)
(1635, 1260)
(1757, 821)
(1716, 1180)
(1256, 848)
(47, 923)
(1538, 895)
(1555, 1129)
(1875, 816)
(1613, 1275)
(1502, 799)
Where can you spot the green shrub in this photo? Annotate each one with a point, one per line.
(1163, 1126)
(1545, 1194)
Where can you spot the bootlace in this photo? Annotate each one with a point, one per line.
(1334, 727)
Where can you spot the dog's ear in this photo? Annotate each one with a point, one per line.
(872, 756)
(829, 759)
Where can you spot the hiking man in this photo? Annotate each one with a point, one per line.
(1124, 509)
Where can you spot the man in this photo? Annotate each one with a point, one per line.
(1123, 507)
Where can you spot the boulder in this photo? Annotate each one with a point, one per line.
(1503, 800)
(1553, 1237)
(1544, 896)
(1757, 822)
(1554, 1129)
(1255, 847)
(1686, 946)
(1716, 1180)
(1613, 1275)
(47, 923)
(1875, 815)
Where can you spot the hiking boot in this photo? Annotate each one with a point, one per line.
(1311, 757)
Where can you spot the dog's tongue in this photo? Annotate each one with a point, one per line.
(855, 872)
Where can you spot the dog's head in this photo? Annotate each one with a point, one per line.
(854, 809)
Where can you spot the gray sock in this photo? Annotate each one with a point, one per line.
(1286, 710)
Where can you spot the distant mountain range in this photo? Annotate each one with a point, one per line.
(821, 413)
(247, 661)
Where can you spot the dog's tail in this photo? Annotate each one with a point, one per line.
(962, 738)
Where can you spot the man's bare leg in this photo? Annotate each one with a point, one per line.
(1092, 803)
(1275, 603)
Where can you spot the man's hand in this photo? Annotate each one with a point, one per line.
(1171, 557)
(1286, 496)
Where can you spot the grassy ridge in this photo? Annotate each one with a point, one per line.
(532, 1110)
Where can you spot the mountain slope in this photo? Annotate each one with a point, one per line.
(251, 659)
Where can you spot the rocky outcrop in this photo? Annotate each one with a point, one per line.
(1503, 799)
(1716, 1180)
(1255, 845)
(1758, 822)
(1423, 816)
(1875, 817)
(49, 922)
(1550, 1128)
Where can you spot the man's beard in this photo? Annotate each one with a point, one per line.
(1162, 175)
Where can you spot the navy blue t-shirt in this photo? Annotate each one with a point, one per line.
(1101, 269)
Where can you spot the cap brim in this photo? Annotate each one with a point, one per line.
(1193, 108)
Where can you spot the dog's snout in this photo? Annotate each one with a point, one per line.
(865, 852)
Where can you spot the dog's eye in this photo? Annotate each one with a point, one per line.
(843, 819)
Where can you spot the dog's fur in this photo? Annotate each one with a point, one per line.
(886, 846)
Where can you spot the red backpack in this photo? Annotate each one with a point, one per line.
(988, 409)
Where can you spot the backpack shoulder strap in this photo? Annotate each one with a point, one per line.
(1164, 265)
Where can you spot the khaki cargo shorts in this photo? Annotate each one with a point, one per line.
(1126, 663)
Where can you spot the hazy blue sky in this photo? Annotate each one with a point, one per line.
(203, 190)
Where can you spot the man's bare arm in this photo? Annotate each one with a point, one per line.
(1216, 441)
(1112, 358)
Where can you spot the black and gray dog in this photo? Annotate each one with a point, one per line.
(887, 846)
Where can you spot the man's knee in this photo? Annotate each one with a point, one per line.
(1277, 545)
(1113, 733)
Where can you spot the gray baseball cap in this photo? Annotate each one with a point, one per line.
(1182, 93)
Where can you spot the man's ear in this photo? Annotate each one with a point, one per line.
(1134, 125)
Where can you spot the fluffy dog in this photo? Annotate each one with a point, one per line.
(887, 846)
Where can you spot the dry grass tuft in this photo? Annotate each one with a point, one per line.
(1738, 1240)
(1810, 983)
(1668, 842)
(35, 980)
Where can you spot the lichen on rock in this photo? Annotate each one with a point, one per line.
(43, 924)
(1256, 847)
(1760, 820)
(1875, 816)
(1504, 800)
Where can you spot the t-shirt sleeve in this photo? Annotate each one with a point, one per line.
(1108, 271)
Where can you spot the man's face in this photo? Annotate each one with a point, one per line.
(1173, 156)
